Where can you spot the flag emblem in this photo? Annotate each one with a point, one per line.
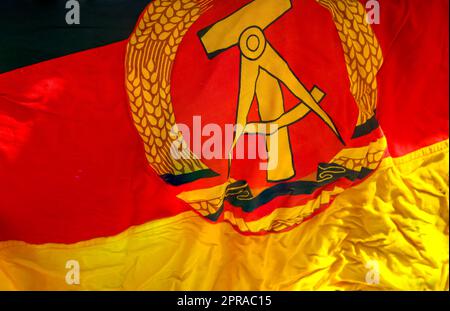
(218, 189)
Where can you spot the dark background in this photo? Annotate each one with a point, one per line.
(32, 31)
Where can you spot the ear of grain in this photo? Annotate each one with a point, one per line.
(362, 53)
(150, 55)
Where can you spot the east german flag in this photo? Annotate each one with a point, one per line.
(224, 145)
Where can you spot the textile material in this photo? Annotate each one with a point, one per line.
(398, 217)
(358, 196)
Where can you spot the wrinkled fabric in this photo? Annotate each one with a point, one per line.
(76, 186)
(396, 220)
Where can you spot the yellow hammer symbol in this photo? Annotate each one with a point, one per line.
(262, 70)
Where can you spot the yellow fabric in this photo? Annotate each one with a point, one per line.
(209, 201)
(398, 218)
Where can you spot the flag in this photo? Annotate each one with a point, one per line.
(224, 145)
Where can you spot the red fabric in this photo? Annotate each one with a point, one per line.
(413, 82)
(72, 166)
(312, 49)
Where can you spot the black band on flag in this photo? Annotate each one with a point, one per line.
(33, 31)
